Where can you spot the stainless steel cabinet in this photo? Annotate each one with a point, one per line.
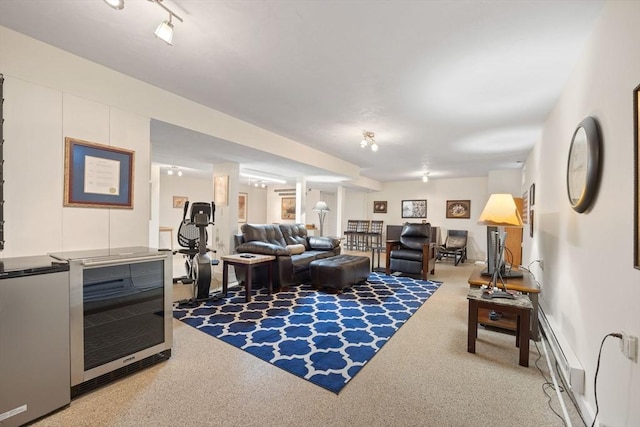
(34, 339)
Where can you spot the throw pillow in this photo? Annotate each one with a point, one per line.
(295, 249)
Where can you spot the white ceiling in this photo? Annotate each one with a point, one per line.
(457, 88)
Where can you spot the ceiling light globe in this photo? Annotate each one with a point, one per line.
(425, 178)
(374, 147)
(169, 172)
(179, 173)
(116, 4)
(363, 143)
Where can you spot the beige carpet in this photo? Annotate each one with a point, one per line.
(422, 377)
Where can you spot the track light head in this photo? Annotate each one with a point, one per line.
(116, 4)
(165, 32)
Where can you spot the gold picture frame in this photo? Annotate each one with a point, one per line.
(221, 190)
(242, 207)
(179, 201)
(288, 208)
(97, 175)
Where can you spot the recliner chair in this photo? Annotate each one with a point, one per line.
(413, 253)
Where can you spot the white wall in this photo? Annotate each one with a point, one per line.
(256, 204)
(37, 119)
(359, 205)
(589, 286)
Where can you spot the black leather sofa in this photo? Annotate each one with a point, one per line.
(284, 241)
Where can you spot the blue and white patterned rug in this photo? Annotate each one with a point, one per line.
(321, 337)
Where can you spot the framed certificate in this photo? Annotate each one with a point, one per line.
(97, 176)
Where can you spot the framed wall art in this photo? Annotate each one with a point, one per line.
(179, 201)
(380, 207)
(242, 207)
(636, 133)
(97, 176)
(221, 190)
(524, 212)
(288, 206)
(532, 195)
(459, 209)
(414, 209)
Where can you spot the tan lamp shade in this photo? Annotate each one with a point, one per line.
(501, 211)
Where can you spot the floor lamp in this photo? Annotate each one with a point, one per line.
(500, 211)
(322, 209)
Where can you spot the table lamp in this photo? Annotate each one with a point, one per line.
(322, 209)
(500, 211)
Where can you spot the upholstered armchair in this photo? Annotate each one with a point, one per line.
(413, 253)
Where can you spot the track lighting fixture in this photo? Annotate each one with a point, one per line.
(368, 140)
(165, 30)
(174, 170)
(116, 4)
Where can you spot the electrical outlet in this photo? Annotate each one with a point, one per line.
(629, 346)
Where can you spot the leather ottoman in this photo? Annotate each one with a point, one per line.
(339, 272)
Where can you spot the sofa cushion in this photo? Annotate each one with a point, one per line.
(323, 243)
(268, 233)
(296, 249)
(294, 234)
(301, 261)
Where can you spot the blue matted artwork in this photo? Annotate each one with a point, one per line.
(97, 175)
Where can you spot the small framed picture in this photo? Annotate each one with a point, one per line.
(288, 208)
(459, 209)
(532, 195)
(179, 201)
(414, 209)
(380, 207)
(221, 190)
(242, 207)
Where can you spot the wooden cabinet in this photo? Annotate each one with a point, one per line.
(513, 243)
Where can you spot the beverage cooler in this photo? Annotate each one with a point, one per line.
(120, 313)
(34, 338)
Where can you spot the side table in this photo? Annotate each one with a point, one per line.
(525, 284)
(520, 306)
(249, 262)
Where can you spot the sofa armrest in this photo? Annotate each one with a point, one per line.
(262, 248)
(320, 243)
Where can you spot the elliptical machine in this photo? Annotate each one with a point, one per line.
(192, 236)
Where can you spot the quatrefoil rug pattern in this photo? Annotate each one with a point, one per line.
(321, 337)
